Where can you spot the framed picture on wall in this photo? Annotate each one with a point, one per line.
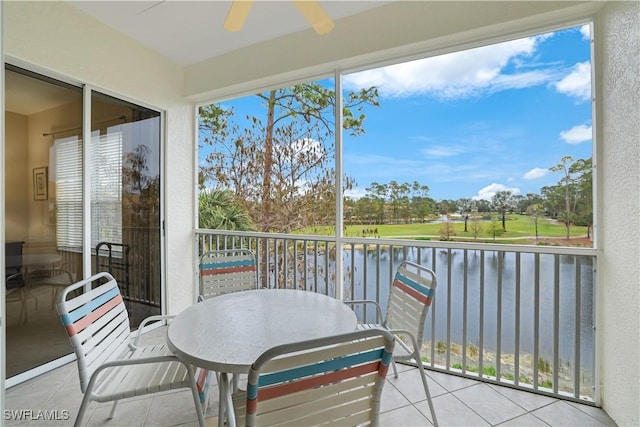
(40, 184)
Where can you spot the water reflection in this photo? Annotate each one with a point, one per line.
(504, 299)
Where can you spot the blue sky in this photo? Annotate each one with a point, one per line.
(474, 122)
(471, 123)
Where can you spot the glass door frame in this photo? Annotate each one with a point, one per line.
(88, 91)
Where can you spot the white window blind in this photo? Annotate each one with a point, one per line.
(106, 189)
(66, 154)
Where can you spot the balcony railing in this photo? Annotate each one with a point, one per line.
(514, 315)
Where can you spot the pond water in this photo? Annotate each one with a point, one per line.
(491, 283)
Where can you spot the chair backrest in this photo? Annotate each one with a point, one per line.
(96, 322)
(225, 271)
(410, 296)
(336, 380)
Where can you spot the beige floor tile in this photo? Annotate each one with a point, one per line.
(450, 411)
(407, 416)
(489, 404)
(526, 420)
(564, 414)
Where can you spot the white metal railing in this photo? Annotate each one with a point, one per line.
(516, 315)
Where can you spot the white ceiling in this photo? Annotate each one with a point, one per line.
(184, 31)
(188, 32)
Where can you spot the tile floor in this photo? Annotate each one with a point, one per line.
(458, 402)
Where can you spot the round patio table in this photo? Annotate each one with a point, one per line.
(227, 333)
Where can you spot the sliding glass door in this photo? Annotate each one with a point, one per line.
(125, 200)
(53, 178)
(39, 112)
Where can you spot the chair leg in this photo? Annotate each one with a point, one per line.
(395, 369)
(83, 408)
(113, 409)
(423, 375)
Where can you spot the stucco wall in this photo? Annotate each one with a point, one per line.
(618, 325)
(60, 38)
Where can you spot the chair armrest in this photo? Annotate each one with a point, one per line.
(365, 302)
(144, 323)
(400, 342)
(129, 362)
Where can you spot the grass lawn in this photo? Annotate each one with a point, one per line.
(520, 230)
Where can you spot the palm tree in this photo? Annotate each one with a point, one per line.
(219, 211)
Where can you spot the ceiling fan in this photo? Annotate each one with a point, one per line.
(310, 9)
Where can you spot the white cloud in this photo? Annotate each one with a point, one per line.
(535, 173)
(577, 83)
(459, 74)
(489, 191)
(585, 30)
(443, 151)
(355, 193)
(576, 134)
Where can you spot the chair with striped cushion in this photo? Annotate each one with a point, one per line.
(111, 364)
(335, 380)
(410, 296)
(224, 271)
(228, 270)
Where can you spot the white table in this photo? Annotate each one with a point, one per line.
(227, 333)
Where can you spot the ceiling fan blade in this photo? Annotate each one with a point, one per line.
(316, 16)
(237, 15)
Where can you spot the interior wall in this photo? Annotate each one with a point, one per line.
(618, 316)
(17, 180)
(41, 234)
(90, 52)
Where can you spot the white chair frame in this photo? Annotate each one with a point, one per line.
(410, 296)
(111, 364)
(336, 380)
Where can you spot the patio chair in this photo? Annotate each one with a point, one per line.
(111, 364)
(410, 297)
(335, 380)
(224, 271)
(227, 270)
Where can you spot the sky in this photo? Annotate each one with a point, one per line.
(474, 122)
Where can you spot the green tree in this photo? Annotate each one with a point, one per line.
(535, 211)
(576, 187)
(476, 226)
(378, 194)
(218, 210)
(465, 208)
(280, 165)
(502, 201)
(584, 205)
(494, 228)
(447, 231)
(421, 204)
